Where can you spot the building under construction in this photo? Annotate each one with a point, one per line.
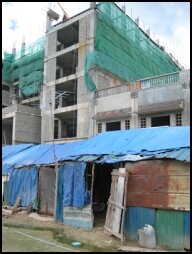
(94, 72)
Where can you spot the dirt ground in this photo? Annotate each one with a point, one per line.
(94, 240)
(40, 233)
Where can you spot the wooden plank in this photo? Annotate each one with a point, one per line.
(118, 199)
(118, 174)
(124, 209)
(116, 204)
(111, 231)
(109, 208)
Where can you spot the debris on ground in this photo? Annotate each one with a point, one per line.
(76, 244)
(41, 218)
(6, 213)
(17, 205)
(29, 208)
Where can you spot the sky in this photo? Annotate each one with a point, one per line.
(168, 21)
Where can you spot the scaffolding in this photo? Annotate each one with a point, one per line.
(123, 49)
(25, 66)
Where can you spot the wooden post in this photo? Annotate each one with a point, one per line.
(56, 189)
(92, 182)
(124, 206)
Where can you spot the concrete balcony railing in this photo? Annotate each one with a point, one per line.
(131, 86)
(112, 91)
(162, 80)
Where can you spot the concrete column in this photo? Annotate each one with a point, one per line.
(50, 49)
(92, 30)
(14, 130)
(123, 124)
(103, 126)
(148, 121)
(134, 110)
(172, 119)
(186, 109)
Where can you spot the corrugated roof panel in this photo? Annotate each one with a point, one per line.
(182, 154)
(133, 144)
(136, 141)
(10, 150)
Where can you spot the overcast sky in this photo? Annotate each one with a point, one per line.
(168, 21)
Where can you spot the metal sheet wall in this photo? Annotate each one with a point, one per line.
(46, 190)
(187, 229)
(169, 227)
(135, 218)
(159, 184)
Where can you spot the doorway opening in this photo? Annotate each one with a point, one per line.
(101, 192)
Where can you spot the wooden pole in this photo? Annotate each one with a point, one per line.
(92, 182)
(56, 190)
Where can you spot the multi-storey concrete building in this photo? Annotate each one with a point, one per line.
(102, 73)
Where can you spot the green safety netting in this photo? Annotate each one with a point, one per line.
(25, 66)
(123, 49)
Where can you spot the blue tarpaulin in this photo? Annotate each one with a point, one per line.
(71, 187)
(10, 150)
(142, 142)
(23, 183)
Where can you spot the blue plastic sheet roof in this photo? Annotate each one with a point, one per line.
(40, 155)
(10, 150)
(110, 147)
(145, 141)
(182, 154)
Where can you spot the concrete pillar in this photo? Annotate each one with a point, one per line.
(23, 48)
(148, 121)
(92, 5)
(186, 109)
(134, 110)
(123, 124)
(50, 49)
(184, 77)
(14, 130)
(172, 119)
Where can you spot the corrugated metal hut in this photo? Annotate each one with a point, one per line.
(157, 161)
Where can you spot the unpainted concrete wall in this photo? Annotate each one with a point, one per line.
(27, 128)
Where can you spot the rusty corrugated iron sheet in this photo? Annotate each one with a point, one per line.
(159, 184)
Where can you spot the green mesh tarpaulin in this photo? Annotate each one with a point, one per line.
(123, 49)
(31, 83)
(26, 66)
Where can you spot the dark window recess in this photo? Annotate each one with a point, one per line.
(160, 121)
(56, 126)
(113, 126)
